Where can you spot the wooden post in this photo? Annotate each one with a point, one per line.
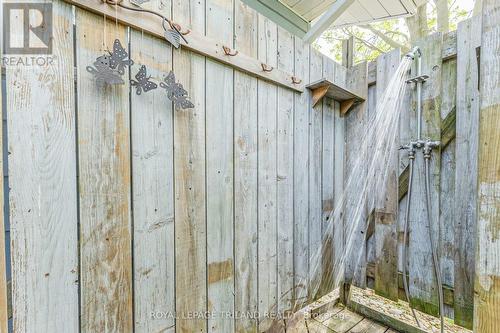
(487, 278)
(467, 126)
(245, 173)
(189, 179)
(386, 269)
(348, 52)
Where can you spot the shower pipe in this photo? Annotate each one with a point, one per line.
(427, 146)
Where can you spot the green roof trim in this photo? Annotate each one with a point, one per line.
(282, 15)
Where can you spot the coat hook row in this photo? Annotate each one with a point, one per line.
(173, 25)
(229, 52)
(266, 67)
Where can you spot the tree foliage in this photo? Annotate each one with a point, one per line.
(373, 39)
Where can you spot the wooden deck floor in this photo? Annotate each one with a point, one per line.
(342, 320)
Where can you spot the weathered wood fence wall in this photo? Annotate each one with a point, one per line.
(451, 115)
(125, 212)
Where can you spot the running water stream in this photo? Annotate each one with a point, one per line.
(366, 186)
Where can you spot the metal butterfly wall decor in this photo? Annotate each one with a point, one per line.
(138, 2)
(143, 82)
(118, 58)
(103, 73)
(176, 92)
(173, 36)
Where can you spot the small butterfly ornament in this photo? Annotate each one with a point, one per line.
(103, 73)
(118, 58)
(176, 92)
(173, 36)
(139, 3)
(143, 82)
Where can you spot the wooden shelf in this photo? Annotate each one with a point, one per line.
(325, 87)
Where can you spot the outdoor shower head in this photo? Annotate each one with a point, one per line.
(414, 53)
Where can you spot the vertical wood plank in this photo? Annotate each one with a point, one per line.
(153, 191)
(386, 264)
(487, 278)
(423, 288)
(327, 182)
(40, 103)
(189, 178)
(267, 172)
(245, 173)
(219, 174)
(339, 180)
(4, 318)
(104, 182)
(467, 136)
(355, 264)
(301, 179)
(315, 151)
(285, 175)
(447, 181)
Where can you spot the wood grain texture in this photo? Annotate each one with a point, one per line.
(152, 186)
(219, 175)
(245, 173)
(339, 180)
(189, 180)
(327, 182)
(40, 104)
(301, 180)
(198, 42)
(267, 173)
(467, 137)
(285, 175)
(315, 199)
(386, 269)
(104, 183)
(487, 277)
(354, 224)
(447, 180)
(423, 288)
(4, 307)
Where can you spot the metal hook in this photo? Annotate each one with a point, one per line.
(178, 27)
(266, 67)
(295, 80)
(228, 52)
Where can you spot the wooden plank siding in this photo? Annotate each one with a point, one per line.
(245, 173)
(385, 215)
(267, 174)
(446, 245)
(104, 184)
(127, 211)
(315, 178)
(421, 270)
(487, 277)
(4, 299)
(466, 154)
(190, 180)
(219, 170)
(285, 175)
(327, 182)
(43, 196)
(301, 179)
(355, 217)
(152, 185)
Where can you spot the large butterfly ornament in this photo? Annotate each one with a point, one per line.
(176, 92)
(103, 73)
(118, 58)
(143, 82)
